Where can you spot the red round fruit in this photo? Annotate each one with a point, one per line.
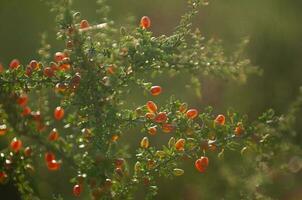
(155, 90)
(34, 64)
(192, 113)
(84, 24)
(22, 100)
(167, 128)
(145, 22)
(16, 144)
(201, 164)
(49, 156)
(48, 72)
(26, 111)
(3, 177)
(180, 144)
(59, 56)
(14, 64)
(151, 106)
(53, 165)
(220, 119)
(53, 135)
(59, 113)
(161, 117)
(3, 129)
(152, 130)
(77, 190)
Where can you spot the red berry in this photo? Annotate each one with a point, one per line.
(53, 135)
(48, 72)
(84, 24)
(34, 64)
(14, 64)
(59, 56)
(192, 113)
(22, 100)
(26, 111)
(151, 106)
(239, 129)
(145, 22)
(65, 67)
(220, 119)
(152, 130)
(16, 145)
(161, 117)
(59, 113)
(156, 90)
(49, 156)
(3, 177)
(77, 190)
(180, 144)
(53, 165)
(28, 71)
(3, 129)
(201, 164)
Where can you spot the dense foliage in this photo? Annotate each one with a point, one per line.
(69, 110)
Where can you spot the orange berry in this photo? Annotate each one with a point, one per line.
(16, 145)
(220, 119)
(33, 64)
(14, 64)
(26, 111)
(151, 106)
(161, 117)
(77, 190)
(152, 130)
(84, 24)
(59, 56)
(114, 138)
(49, 156)
(239, 129)
(65, 67)
(155, 90)
(201, 164)
(59, 113)
(192, 113)
(27, 151)
(53, 165)
(145, 22)
(22, 100)
(145, 143)
(180, 144)
(53, 135)
(167, 128)
(3, 129)
(150, 115)
(48, 72)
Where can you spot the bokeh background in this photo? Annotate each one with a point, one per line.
(275, 31)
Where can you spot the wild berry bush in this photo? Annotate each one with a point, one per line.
(69, 111)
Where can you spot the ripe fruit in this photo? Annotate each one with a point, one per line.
(145, 22)
(33, 64)
(145, 143)
(28, 71)
(151, 106)
(16, 144)
(180, 144)
(53, 165)
(161, 117)
(155, 90)
(84, 24)
(22, 100)
(53, 135)
(3, 129)
(26, 111)
(167, 128)
(183, 108)
(59, 113)
(201, 164)
(49, 156)
(59, 56)
(48, 72)
(192, 113)
(220, 119)
(3, 177)
(239, 129)
(77, 190)
(14, 64)
(152, 130)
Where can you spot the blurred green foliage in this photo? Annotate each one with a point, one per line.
(274, 28)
